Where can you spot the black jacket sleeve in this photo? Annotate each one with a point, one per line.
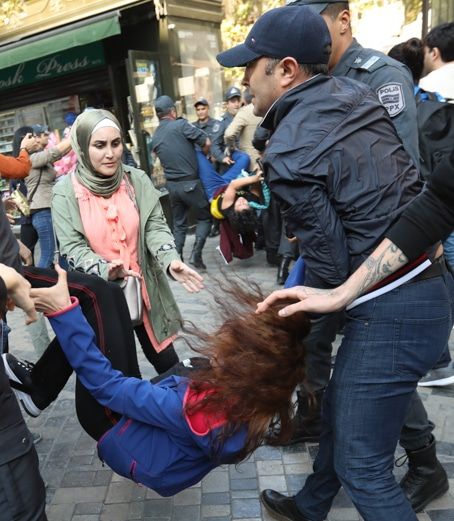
(430, 217)
(311, 217)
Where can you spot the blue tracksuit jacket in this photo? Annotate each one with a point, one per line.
(154, 443)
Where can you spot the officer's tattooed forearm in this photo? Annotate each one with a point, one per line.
(381, 264)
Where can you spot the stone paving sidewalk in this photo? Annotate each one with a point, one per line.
(81, 488)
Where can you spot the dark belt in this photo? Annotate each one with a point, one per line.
(183, 179)
(437, 268)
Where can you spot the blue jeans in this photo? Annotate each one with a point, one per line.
(42, 222)
(389, 344)
(448, 249)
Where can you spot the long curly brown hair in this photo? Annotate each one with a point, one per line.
(256, 361)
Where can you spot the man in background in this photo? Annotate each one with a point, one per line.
(204, 121)
(241, 130)
(173, 143)
(439, 61)
(219, 152)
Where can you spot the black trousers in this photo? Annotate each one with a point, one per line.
(22, 490)
(29, 236)
(272, 225)
(160, 361)
(184, 195)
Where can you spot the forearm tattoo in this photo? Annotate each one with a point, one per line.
(378, 268)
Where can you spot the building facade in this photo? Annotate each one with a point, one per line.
(63, 56)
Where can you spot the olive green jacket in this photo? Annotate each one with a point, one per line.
(156, 246)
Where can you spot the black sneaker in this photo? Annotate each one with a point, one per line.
(19, 374)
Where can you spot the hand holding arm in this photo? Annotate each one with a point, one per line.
(53, 299)
(385, 259)
(206, 147)
(18, 291)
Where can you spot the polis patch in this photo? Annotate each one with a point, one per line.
(391, 96)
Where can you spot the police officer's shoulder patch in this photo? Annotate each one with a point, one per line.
(216, 126)
(391, 96)
(367, 61)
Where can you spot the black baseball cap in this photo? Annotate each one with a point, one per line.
(316, 5)
(163, 104)
(232, 92)
(298, 32)
(202, 101)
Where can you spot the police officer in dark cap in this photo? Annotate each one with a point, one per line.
(388, 78)
(392, 83)
(204, 121)
(282, 44)
(219, 152)
(173, 143)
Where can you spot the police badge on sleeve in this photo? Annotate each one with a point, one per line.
(391, 96)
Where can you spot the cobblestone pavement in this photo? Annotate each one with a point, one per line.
(80, 488)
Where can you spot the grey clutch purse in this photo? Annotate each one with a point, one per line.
(133, 296)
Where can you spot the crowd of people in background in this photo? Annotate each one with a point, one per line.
(316, 169)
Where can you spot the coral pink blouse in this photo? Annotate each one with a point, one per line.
(112, 229)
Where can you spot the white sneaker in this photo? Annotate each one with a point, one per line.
(438, 377)
(19, 374)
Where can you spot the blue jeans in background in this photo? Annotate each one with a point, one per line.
(42, 222)
(448, 250)
(390, 342)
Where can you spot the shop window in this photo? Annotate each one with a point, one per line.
(194, 46)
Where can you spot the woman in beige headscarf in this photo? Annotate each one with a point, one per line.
(109, 222)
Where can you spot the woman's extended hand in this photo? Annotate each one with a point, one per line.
(53, 299)
(18, 292)
(186, 276)
(310, 299)
(116, 270)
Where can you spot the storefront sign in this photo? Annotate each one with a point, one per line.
(53, 66)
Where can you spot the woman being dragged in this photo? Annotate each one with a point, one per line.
(236, 198)
(172, 433)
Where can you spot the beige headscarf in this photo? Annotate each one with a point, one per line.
(81, 132)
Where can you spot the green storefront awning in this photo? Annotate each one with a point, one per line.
(56, 41)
